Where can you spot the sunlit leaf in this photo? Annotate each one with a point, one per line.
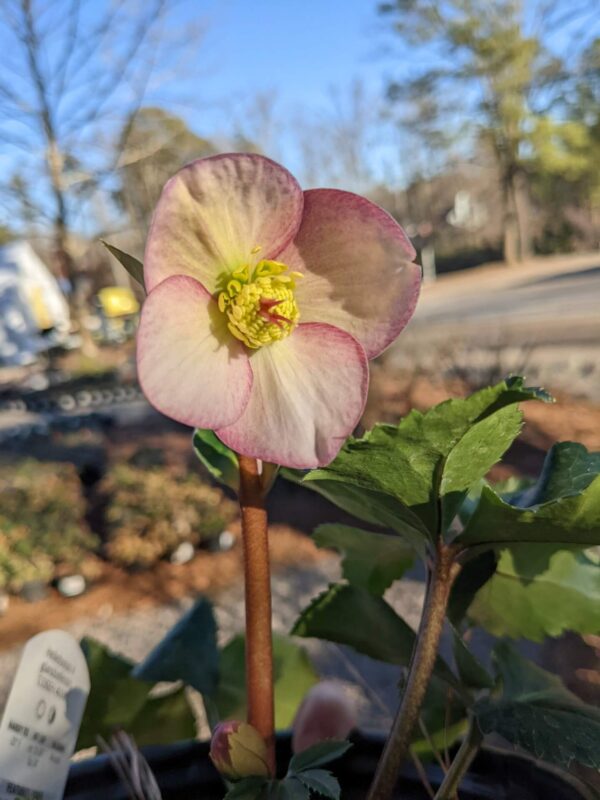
(538, 591)
(429, 461)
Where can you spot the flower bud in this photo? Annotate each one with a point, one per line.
(238, 751)
(325, 713)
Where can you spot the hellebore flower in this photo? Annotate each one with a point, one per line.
(238, 751)
(264, 305)
(326, 712)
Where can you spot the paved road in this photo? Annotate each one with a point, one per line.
(541, 319)
(563, 296)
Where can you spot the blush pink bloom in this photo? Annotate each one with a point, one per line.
(265, 303)
(326, 712)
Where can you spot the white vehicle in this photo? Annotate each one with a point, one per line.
(34, 313)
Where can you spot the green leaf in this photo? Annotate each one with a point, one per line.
(115, 697)
(188, 652)
(563, 507)
(348, 615)
(537, 713)
(372, 507)
(293, 673)
(470, 669)
(321, 781)
(434, 455)
(118, 700)
(253, 788)
(164, 720)
(475, 573)
(371, 561)
(219, 460)
(566, 522)
(319, 754)
(291, 788)
(479, 448)
(444, 737)
(134, 267)
(537, 592)
(568, 470)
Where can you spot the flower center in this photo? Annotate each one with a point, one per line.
(259, 303)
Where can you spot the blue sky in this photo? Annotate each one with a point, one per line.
(298, 47)
(298, 50)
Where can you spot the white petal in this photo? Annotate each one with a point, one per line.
(308, 395)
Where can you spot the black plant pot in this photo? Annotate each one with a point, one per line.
(184, 772)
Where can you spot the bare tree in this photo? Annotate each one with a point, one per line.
(338, 144)
(255, 125)
(71, 74)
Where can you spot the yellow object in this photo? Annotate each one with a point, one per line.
(39, 309)
(118, 301)
(260, 304)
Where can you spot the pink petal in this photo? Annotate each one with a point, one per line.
(190, 368)
(308, 394)
(327, 712)
(357, 263)
(215, 211)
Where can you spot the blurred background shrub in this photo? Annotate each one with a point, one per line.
(150, 512)
(43, 531)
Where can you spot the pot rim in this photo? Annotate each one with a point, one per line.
(175, 756)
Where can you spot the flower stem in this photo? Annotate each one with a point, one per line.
(259, 644)
(462, 761)
(442, 576)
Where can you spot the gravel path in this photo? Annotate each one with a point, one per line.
(373, 685)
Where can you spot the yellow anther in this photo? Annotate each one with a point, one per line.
(233, 287)
(241, 274)
(255, 250)
(259, 303)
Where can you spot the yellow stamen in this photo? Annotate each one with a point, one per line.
(260, 303)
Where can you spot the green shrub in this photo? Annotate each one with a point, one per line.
(152, 511)
(42, 522)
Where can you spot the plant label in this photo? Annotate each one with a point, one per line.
(42, 718)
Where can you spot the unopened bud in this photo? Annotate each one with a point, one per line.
(238, 751)
(326, 713)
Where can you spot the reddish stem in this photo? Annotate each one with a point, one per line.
(259, 644)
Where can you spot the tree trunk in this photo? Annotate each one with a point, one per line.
(66, 267)
(522, 209)
(517, 231)
(511, 227)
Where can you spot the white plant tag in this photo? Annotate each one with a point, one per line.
(42, 718)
